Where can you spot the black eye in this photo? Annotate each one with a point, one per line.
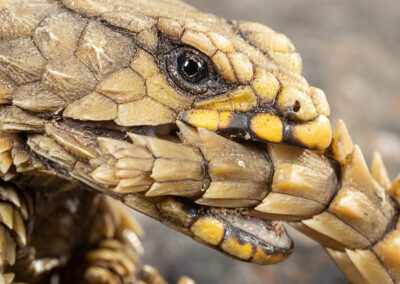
(192, 67)
(193, 72)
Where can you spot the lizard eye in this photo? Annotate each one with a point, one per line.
(192, 71)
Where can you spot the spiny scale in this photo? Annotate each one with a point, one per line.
(360, 234)
(296, 186)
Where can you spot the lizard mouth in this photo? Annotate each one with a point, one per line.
(197, 182)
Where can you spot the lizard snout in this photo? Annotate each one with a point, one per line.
(294, 117)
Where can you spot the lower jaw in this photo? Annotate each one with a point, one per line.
(250, 239)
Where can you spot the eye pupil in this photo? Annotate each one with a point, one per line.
(191, 67)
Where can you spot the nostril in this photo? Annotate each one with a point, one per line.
(296, 106)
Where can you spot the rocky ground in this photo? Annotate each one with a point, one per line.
(350, 49)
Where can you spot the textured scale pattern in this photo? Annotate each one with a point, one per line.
(96, 109)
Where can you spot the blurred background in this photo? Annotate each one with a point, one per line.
(350, 49)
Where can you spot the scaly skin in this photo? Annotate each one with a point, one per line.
(201, 123)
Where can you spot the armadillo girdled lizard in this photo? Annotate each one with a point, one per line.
(201, 123)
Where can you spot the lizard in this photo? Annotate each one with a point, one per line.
(204, 124)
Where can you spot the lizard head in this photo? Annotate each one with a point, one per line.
(237, 78)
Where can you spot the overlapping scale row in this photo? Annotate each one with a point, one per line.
(359, 228)
(302, 186)
(15, 213)
(378, 263)
(112, 250)
(6, 161)
(152, 165)
(113, 246)
(110, 261)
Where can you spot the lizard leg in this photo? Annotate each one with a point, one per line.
(15, 213)
(111, 254)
